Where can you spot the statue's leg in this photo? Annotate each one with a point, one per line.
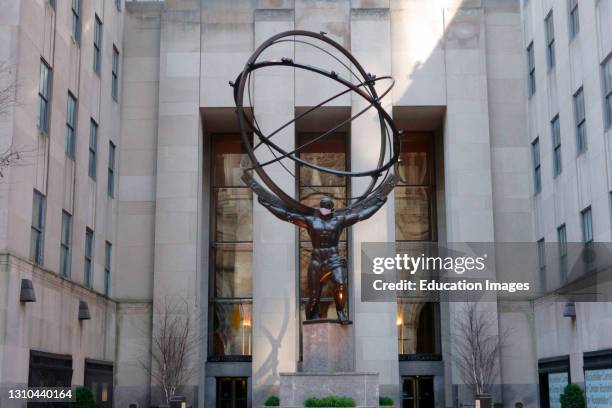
(339, 276)
(314, 288)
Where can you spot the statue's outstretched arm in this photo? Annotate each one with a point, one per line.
(366, 211)
(283, 213)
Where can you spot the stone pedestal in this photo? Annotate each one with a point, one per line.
(296, 387)
(328, 368)
(327, 347)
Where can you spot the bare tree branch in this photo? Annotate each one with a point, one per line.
(477, 348)
(174, 345)
(8, 87)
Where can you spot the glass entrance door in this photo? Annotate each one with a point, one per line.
(232, 392)
(418, 392)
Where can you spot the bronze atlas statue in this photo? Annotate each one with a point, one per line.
(324, 224)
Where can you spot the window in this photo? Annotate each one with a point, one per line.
(76, 21)
(44, 96)
(115, 79)
(99, 379)
(556, 143)
(97, 55)
(49, 370)
(93, 148)
(232, 392)
(71, 121)
(418, 328)
(537, 171)
(581, 142)
(550, 40)
(111, 169)
(531, 70)
(587, 225)
(38, 228)
(415, 206)
(542, 264)
(607, 83)
(118, 4)
(108, 248)
(65, 245)
(89, 254)
(231, 252)
(574, 23)
(52, 4)
(562, 243)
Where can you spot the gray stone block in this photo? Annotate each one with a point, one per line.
(328, 347)
(296, 387)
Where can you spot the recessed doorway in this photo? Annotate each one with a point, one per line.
(418, 392)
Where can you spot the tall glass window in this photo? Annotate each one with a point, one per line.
(550, 40)
(231, 252)
(531, 70)
(115, 74)
(556, 143)
(93, 149)
(111, 169)
(39, 207)
(581, 135)
(44, 96)
(537, 171)
(71, 123)
(97, 52)
(586, 219)
(108, 258)
(66, 244)
(607, 84)
(330, 152)
(562, 243)
(574, 21)
(415, 220)
(89, 254)
(542, 264)
(76, 21)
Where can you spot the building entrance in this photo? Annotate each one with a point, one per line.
(418, 392)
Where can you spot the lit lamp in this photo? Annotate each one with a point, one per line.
(246, 336)
(26, 294)
(84, 311)
(400, 324)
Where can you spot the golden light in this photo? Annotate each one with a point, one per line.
(399, 320)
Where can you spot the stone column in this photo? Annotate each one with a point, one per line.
(467, 156)
(176, 268)
(375, 331)
(274, 241)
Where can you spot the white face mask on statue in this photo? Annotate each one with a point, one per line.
(325, 211)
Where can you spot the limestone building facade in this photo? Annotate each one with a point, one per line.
(128, 190)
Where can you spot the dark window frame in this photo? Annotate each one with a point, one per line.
(549, 25)
(537, 165)
(574, 18)
(112, 157)
(92, 167)
(531, 71)
(88, 268)
(555, 126)
(562, 248)
(115, 74)
(66, 245)
(606, 71)
(39, 207)
(72, 108)
(580, 118)
(75, 31)
(44, 97)
(97, 44)
(108, 259)
(586, 224)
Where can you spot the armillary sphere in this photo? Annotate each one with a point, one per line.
(360, 82)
